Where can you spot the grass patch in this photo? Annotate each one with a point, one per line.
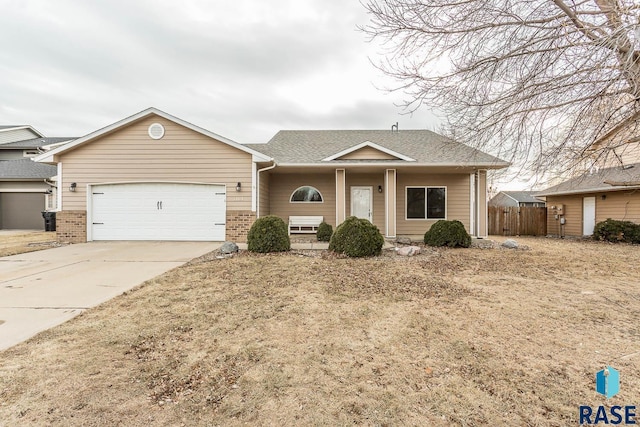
(449, 337)
(14, 244)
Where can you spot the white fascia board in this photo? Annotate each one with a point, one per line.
(254, 187)
(59, 188)
(261, 158)
(44, 158)
(588, 190)
(371, 145)
(393, 164)
(141, 115)
(55, 145)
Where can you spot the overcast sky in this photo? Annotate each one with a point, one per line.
(243, 69)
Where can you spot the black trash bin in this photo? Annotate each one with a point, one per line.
(49, 221)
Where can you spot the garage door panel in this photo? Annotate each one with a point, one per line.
(22, 211)
(158, 211)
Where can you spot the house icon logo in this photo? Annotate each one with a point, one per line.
(608, 382)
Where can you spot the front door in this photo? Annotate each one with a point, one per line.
(362, 202)
(588, 215)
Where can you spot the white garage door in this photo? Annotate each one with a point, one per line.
(158, 211)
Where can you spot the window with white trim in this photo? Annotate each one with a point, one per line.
(306, 194)
(426, 202)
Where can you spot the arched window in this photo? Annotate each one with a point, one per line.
(306, 194)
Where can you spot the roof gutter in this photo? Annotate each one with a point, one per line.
(586, 191)
(399, 164)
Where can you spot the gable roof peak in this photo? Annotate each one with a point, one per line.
(392, 153)
(48, 157)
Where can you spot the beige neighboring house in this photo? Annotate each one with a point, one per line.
(581, 202)
(152, 176)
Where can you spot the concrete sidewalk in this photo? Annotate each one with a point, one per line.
(39, 290)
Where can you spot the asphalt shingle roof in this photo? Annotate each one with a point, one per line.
(26, 169)
(524, 196)
(598, 181)
(426, 147)
(32, 143)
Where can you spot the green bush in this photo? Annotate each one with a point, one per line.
(616, 231)
(269, 234)
(447, 233)
(324, 232)
(356, 237)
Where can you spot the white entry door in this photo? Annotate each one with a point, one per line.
(158, 211)
(588, 215)
(362, 202)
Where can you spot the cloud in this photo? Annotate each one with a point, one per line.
(243, 69)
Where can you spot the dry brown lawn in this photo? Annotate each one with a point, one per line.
(28, 241)
(451, 337)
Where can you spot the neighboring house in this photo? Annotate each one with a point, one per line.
(25, 186)
(604, 156)
(517, 198)
(152, 176)
(583, 201)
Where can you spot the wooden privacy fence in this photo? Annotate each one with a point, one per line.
(515, 221)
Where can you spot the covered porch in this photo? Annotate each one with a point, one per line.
(400, 201)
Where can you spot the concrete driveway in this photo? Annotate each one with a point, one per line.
(39, 290)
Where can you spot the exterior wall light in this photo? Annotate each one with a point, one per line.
(72, 187)
(239, 186)
(379, 188)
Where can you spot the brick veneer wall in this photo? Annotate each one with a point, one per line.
(71, 226)
(238, 225)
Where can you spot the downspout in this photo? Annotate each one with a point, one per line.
(258, 189)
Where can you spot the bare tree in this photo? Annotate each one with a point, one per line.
(546, 83)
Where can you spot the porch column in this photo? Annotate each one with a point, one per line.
(341, 209)
(390, 202)
(482, 204)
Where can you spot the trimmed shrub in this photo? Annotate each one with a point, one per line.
(269, 234)
(356, 237)
(447, 233)
(324, 232)
(616, 231)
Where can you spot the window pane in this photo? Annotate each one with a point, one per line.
(415, 203)
(306, 194)
(436, 203)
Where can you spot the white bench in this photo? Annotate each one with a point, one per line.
(304, 224)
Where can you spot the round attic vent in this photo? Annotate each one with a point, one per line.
(156, 131)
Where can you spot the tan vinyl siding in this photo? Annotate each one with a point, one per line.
(368, 153)
(372, 180)
(572, 215)
(458, 193)
(281, 186)
(620, 205)
(182, 155)
(263, 203)
(628, 153)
